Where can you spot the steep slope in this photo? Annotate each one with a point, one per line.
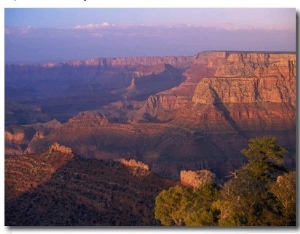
(27, 172)
(262, 86)
(250, 95)
(59, 189)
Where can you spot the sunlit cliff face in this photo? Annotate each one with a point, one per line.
(189, 112)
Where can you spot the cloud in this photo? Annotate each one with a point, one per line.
(25, 30)
(230, 27)
(96, 34)
(250, 27)
(107, 40)
(105, 24)
(94, 26)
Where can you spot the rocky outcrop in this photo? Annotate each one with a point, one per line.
(87, 119)
(158, 104)
(17, 138)
(137, 168)
(165, 102)
(197, 178)
(60, 148)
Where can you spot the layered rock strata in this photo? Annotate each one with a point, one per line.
(205, 117)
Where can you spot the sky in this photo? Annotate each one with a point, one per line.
(59, 34)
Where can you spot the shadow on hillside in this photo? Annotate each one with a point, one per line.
(149, 85)
(88, 192)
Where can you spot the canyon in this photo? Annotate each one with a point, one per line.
(171, 113)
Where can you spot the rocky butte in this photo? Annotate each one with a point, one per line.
(172, 113)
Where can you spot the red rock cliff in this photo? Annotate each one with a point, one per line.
(250, 77)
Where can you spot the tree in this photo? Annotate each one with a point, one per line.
(265, 158)
(185, 206)
(252, 198)
(228, 214)
(173, 205)
(285, 190)
(201, 214)
(246, 199)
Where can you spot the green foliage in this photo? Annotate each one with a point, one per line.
(172, 205)
(252, 198)
(285, 191)
(228, 214)
(201, 214)
(265, 158)
(185, 206)
(248, 195)
(249, 201)
(206, 194)
(265, 148)
(200, 217)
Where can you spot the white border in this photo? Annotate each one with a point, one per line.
(149, 3)
(121, 4)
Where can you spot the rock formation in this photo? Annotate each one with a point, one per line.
(250, 77)
(247, 99)
(197, 178)
(160, 104)
(137, 168)
(87, 119)
(193, 112)
(60, 148)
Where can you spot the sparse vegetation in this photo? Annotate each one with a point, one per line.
(61, 189)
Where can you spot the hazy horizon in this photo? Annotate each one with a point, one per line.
(56, 35)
